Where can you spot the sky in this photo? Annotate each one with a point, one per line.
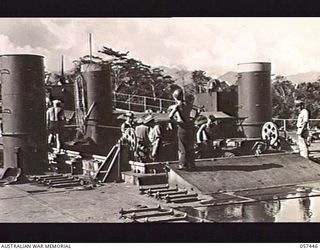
(215, 45)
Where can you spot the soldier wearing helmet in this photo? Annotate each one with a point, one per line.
(180, 113)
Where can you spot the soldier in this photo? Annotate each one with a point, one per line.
(128, 123)
(210, 86)
(55, 122)
(164, 142)
(155, 137)
(180, 113)
(302, 128)
(143, 143)
(206, 133)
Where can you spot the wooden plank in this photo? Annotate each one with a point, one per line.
(111, 164)
(106, 160)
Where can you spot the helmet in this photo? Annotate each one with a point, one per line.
(178, 94)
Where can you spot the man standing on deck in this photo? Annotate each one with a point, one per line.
(55, 122)
(155, 137)
(180, 113)
(302, 128)
(142, 131)
(128, 123)
(206, 134)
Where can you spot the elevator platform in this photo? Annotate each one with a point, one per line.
(246, 173)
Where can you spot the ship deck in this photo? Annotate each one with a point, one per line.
(31, 202)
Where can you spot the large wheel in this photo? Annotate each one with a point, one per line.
(129, 137)
(270, 133)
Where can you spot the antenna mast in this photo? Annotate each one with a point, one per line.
(62, 66)
(90, 46)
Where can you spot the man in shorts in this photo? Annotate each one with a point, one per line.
(55, 122)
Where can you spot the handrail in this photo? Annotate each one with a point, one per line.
(142, 103)
(292, 119)
(138, 104)
(148, 97)
(284, 124)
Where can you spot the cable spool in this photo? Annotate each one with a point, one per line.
(270, 133)
(129, 137)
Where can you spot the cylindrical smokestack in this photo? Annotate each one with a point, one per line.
(23, 107)
(254, 96)
(98, 91)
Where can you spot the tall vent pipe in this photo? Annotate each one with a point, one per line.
(99, 100)
(23, 108)
(254, 96)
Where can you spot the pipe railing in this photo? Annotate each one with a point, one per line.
(285, 124)
(140, 103)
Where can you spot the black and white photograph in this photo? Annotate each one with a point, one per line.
(180, 120)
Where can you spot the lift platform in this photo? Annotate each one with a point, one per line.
(246, 173)
(216, 175)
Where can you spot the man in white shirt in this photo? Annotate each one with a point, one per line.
(155, 137)
(302, 128)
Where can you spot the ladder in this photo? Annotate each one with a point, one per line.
(108, 164)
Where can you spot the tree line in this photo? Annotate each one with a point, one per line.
(132, 76)
(284, 93)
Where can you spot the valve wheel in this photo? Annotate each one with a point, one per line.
(270, 133)
(129, 136)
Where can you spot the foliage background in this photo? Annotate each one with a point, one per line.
(131, 76)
